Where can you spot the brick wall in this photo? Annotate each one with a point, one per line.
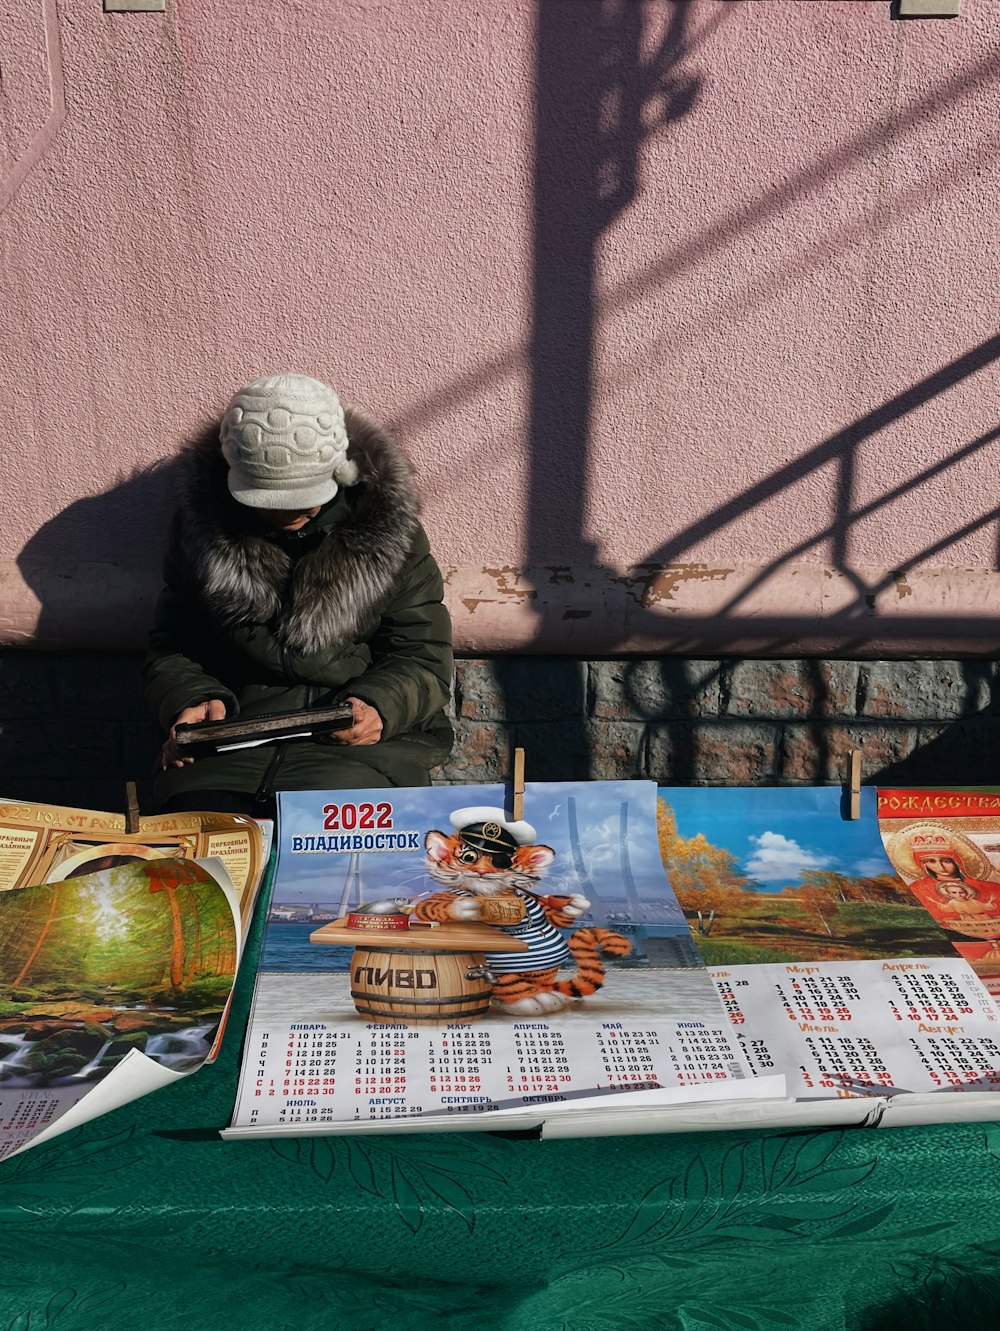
(729, 722)
(74, 728)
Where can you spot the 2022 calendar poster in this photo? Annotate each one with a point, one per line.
(429, 954)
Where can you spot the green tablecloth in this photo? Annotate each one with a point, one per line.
(145, 1219)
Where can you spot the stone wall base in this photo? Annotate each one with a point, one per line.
(74, 727)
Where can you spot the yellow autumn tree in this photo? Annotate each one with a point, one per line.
(821, 895)
(888, 888)
(704, 877)
(879, 888)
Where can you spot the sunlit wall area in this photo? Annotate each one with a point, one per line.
(684, 310)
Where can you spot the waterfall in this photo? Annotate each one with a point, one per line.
(183, 1049)
(88, 1070)
(13, 1073)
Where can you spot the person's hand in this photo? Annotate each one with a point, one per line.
(213, 710)
(367, 728)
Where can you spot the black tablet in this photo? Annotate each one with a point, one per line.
(217, 736)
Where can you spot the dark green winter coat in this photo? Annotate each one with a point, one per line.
(269, 622)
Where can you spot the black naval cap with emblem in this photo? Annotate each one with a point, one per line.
(490, 839)
(486, 830)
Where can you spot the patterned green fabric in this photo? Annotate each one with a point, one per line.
(145, 1219)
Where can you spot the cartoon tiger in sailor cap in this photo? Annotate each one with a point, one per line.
(489, 855)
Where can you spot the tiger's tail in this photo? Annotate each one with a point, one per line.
(585, 945)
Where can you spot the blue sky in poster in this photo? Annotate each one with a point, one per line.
(613, 854)
(778, 833)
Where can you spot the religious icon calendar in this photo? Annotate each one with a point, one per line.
(858, 957)
(431, 960)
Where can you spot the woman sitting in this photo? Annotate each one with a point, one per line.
(297, 575)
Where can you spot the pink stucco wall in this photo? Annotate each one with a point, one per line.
(707, 285)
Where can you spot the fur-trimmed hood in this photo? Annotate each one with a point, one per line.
(330, 596)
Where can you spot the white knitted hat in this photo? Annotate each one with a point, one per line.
(286, 443)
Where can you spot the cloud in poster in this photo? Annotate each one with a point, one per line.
(778, 858)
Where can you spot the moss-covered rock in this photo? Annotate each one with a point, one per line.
(120, 1047)
(62, 1053)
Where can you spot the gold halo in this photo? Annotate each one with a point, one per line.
(975, 863)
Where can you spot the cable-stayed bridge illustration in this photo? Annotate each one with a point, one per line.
(657, 936)
(352, 897)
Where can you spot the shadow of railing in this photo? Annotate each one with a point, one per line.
(599, 95)
(842, 448)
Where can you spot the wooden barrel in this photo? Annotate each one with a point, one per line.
(418, 988)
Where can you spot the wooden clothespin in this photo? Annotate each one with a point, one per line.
(854, 808)
(131, 808)
(518, 785)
